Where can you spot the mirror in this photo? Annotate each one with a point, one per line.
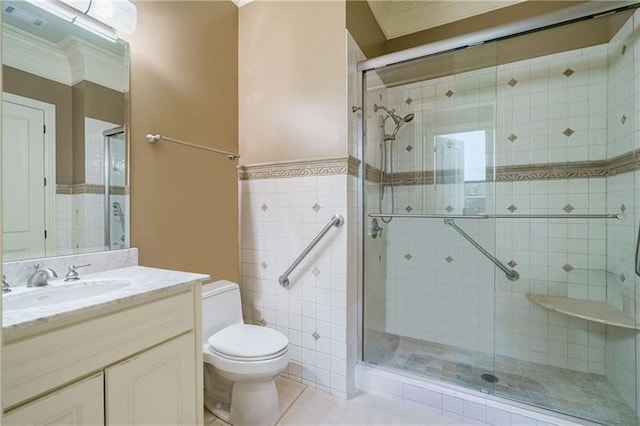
(64, 146)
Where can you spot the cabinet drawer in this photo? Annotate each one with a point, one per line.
(37, 364)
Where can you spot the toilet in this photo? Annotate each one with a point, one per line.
(240, 360)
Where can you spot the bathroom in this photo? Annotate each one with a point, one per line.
(276, 83)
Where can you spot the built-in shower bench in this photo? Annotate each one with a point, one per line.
(591, 310)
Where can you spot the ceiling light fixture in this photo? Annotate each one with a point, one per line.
(121, 15)
(94, 28)
(100, 17)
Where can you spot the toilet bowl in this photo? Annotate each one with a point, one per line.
(240, 360)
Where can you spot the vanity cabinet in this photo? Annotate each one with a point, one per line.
(140, 365)
(76, 404)
(153, 388)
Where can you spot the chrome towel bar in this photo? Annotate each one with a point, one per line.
(155, 138)
(336, 221)
(510, 273)
(499, 216)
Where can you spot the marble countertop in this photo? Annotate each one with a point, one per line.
(147, 284)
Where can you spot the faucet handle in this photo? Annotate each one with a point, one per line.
(72, 274)
(5, 285)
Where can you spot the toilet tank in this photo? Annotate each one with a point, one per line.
(221, 307)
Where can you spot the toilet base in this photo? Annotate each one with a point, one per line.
(254, 404)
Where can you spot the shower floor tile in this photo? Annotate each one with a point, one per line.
(585, 395)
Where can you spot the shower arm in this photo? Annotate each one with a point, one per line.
(510, 273)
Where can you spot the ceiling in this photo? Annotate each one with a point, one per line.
(401, 17)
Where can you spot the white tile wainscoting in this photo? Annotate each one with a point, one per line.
(318, 312)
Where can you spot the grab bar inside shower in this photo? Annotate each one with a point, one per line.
(336, 221)
(499, 216)
(510, 273)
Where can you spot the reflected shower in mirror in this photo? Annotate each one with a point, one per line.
(64, 152)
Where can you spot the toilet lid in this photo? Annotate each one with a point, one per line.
(248, 341)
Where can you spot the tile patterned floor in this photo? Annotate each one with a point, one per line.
(302, 405)
(589, 396)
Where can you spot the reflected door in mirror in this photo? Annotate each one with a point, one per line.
(23, 180)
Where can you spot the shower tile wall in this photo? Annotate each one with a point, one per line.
(64, 224)
(88, 221)
(551, 109)
(318, 312)
(80, 216)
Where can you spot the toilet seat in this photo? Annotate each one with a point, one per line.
(244, 342)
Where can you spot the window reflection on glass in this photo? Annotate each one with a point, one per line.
(460, 166)
(469, 150)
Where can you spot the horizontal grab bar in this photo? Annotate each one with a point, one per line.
(155, 138)
(499, 216)
(432, 216)
(510, 273)
(336, 221)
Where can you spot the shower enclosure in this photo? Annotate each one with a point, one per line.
(115, 199)
(500, 219)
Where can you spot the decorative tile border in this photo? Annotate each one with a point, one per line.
(349, 165)
(627, 162)
(281, 169)
(85, 188)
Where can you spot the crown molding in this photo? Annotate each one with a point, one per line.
(92, 63)
(26, 52)
(241, 3)
(69, 62)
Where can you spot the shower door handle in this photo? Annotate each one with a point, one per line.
(637, 252)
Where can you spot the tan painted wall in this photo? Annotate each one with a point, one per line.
(293, 81)
(73, 103)
(35, 87)
(364, 28)
(184, 72)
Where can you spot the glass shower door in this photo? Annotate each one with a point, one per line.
(428, 292)
(501, 221)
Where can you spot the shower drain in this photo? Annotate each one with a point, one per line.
(490, 378)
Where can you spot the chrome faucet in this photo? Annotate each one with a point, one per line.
(72, 274)
(41, 277)
(5, 285)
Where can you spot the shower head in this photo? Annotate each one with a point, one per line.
(398, 120)
(392, 114)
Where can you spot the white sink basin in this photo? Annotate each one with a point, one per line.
(59, 293)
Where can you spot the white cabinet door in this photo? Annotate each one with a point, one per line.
(154, 388)
(81, 403)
